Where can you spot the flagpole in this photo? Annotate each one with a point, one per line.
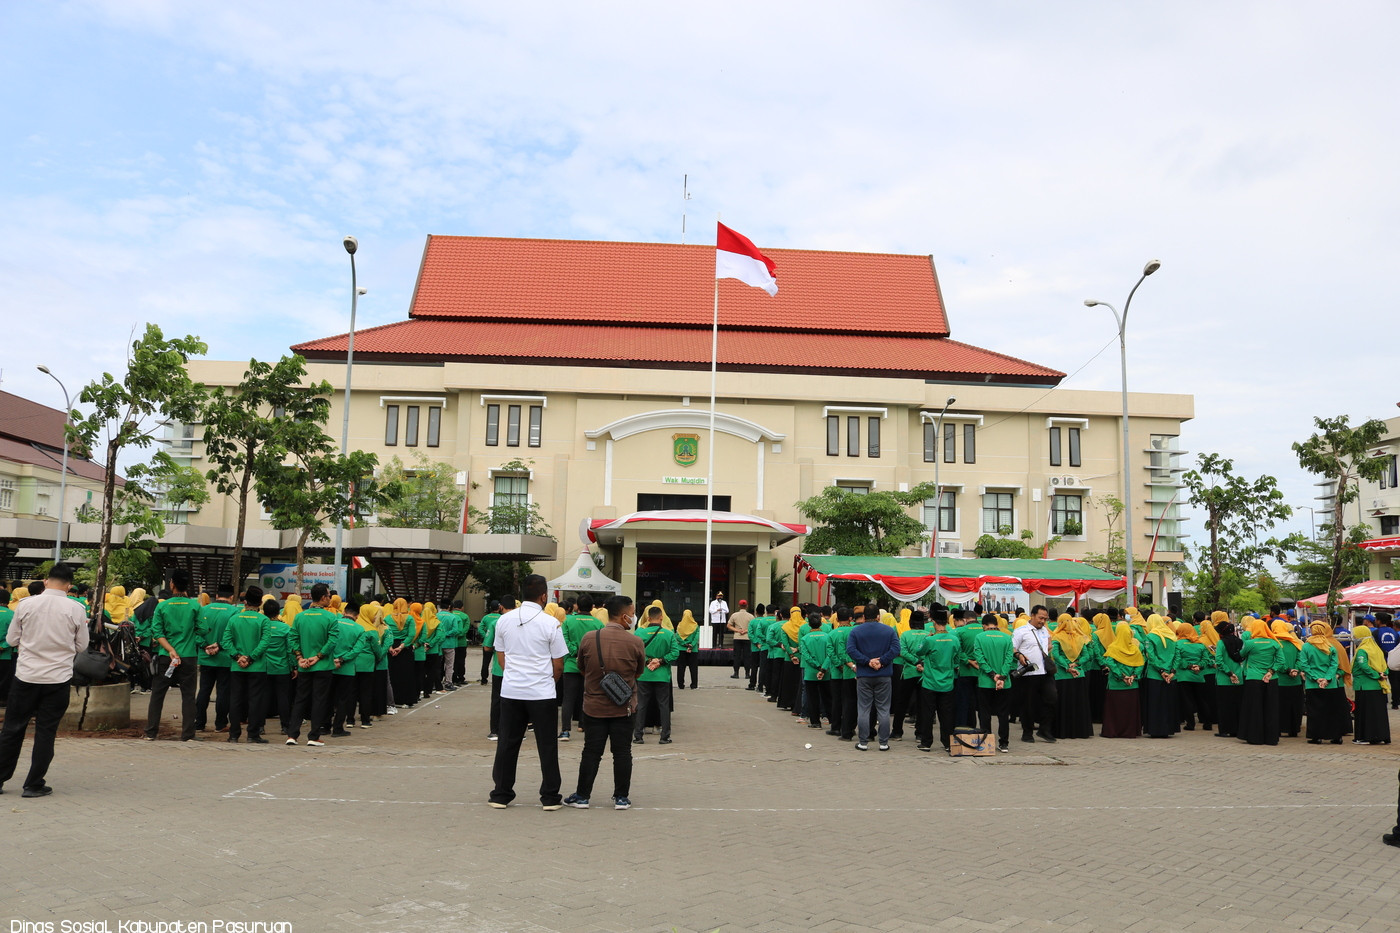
(710, 474)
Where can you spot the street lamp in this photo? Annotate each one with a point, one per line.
(938, 493)
(1122, 320)
(351, 244)
(63, 476)
(1312, 519)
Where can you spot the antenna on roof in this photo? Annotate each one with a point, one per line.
(685, 196)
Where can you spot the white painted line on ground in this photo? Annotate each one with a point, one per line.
(423, 706)
(270, 777)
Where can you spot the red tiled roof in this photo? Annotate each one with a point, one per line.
(20, 452)
(679, 348)
(29, 421)
(664, 284)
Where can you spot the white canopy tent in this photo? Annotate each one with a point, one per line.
(583, 577)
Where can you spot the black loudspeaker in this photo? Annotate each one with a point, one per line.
(1174, 603)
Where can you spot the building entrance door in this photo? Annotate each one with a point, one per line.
(678, 580)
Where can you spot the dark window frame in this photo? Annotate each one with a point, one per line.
(950, 442)
(872, 438)
(969, 443)
(1061, 513)
(410, 426)
(1075, 455)
(833, 435)
(930, 442)
(493, 425)
(998, 509)
(434, 426)
(1056, 446)
(512, 425)
(535, 431)
(853, 435)
(391, 426)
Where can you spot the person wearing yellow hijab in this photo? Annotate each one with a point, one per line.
(1289, 677)
(1368, 672)
(688, 634)
(1259, 700)
(789, 669)
(1125, 662)
(1321, 670)
(336, 605)
(402, 629)
(1098, 674)
(1070, 650)
(421, 637)
(1161, 719)
(1193, 667)
(115, 603)
(291, 609)
(665, 619)
(381, 640)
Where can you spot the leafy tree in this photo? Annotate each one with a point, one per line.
(1311, 573)
(877, 522)
(1341, 454)
(1248, 601)
(499, 577)
(304, 482)
(1003, 545)
(1237, 511)
(155, 388)
(239, 422)
(428, 496)
(182, 486)
(1114, 558)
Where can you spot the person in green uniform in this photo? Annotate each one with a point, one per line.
(459, 655)
(490, 663)
(434, 633)
(936, 661)
(842, 671)
(758, 649)
(349, 644)
(312, 641)
(1259, 701)
(1160, 717)
(365, 662)
(662, 649)
(449, 623)
(777, 656)
(688, 634)
(1371, 686)
(213, 663)
(1320, 667)
(244, 642)
(1289, 678)
(992, 657)
(280, 665)
(576, 625)
(906, 674)
(1193, 665)
(175, 628)
(1229, 674)
(813, 654)
(1124, 660)
(965, 696)
(7, 651)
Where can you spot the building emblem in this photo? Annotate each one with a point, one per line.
(685, 448)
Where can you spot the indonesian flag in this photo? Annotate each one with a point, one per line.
(358, 563)
(737, 258)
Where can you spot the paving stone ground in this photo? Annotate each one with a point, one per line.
(737, 827)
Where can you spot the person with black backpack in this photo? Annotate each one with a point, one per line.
(609, 660)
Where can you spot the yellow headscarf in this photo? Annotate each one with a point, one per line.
(1367, 648)
(600, 614)
(887, 618)
(115, 604)
(1124, 649)
(688, 624)
(429, 622)
(1209, 636)
(204, 599)
(368, 617)
(399, 612)
(905, 615)
(291, 609)
(1258, 628)
(134, 601)
(1343, 659)
(1069, 637)
(267, 597)
(665, 619)
(1020, 620)
(1156, 625)
(336, 604)
(557, 611)
(1103, 628)
(793, 626)
(1001, 624)
(1187, 631)
(1284, 632)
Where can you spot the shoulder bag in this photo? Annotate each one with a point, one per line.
(613, 685)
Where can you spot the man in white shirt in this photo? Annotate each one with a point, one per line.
(718, 614)
(530, 649)
(49, 630)
(1031, 643)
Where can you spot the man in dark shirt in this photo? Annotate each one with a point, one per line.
(873, 646)
(612, 649)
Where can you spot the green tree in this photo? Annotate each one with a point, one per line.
(1341, 454)
(240, 421)
(1114, 558)
(499, 577)
(877, 522)
(427, 497)
(304, 483)
(1237, 512)
(1311, 573)
(156, 388)
(1003, 545)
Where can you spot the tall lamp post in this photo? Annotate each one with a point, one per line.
(1312, 520)
(63, 476)
(938, 495)
(1122, 320)
(351, 244)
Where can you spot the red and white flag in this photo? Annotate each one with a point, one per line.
(737, 258)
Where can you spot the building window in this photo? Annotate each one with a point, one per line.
(493, 425)
(513, 426)
(43, 499)
(1067, 514)
(946, 513)
(1389, 479)
(1055, 457)
(1074, 458)
(930, 442)
(7, 495)
(434, 426)
(969, 443)
(833, 435)
(410, 427)
(510, 499)
(391, 425)
(536, 424)
(859, 489)
(873, 440)
(1390, 525)
(852, 436)
(997, 512)
(950, 443)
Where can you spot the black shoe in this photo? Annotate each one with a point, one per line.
(43, 790)
(340, 734)
(748, 688)
(1391, 839)
(637, 740)
(665, 741)
(1028, 738)
(1047, 738)
(257, 740)
(832, 732)
(848, 738)
(232, 738)
(1003, 748)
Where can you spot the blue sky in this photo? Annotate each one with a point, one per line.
(197, 165)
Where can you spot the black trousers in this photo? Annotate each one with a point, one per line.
(719, 633)
(752, 662)
(364, 696)
(459, 665)
(934, 703)
(993, 702)
(1038, 699)
(312, 703)
(965, 701)
(597, 734)
(688, 660)
(184, 678)
(661, 691)
(280, 694)
(906, 692)
(847, 706)
(1193, 704)
(7, 675)
(515, 715)
(742, 657)
(344, 695)
(247, 702)
(209, 679)
(486, 655)
(813, 700)
(495, 717)
(43, 703)
(570, 701)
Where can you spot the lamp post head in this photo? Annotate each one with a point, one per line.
(44, 369)
(361, 290)
(949, 403)
(1090, 303)
(351, 244)
(1152, 266)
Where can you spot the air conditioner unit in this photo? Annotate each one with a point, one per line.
(1058, 481)
(950, 548)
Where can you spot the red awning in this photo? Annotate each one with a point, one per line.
(1381, 544)
(1375, 594)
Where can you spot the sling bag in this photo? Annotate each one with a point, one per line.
(613, 685)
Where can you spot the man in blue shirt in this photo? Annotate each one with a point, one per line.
(873, 646)
(1387, 637)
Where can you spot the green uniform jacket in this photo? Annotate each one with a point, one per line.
(211, 621)
(432, 642)
(488, 640)
(464, 628)
(348, 645)
(278, 659)
(659, 644)
(368, 654)
(1161, 658)
(383, 641)
(909, 644)
(247, 632)
(1117, 670)
(399, 633)
(1363, 678)
(313, 635)
(838, 660)
(1091, 658)
(756, 636)
(1260, 655)
(1225, 666)
(1318, 665)
(1187, 654)
(776, 639)
(1062, 661)
(576, 625)
(690, 642)
(991, 649)
(7, 650)
(966, 634)
(1287, 661)
(814, 654)
(938, 653)
(447, 630)
(177, 621)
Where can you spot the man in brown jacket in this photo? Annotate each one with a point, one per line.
(611, 649)
(739, 628)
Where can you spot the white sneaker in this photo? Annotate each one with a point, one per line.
(315, 743)
(290, 741)
(393, 711)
